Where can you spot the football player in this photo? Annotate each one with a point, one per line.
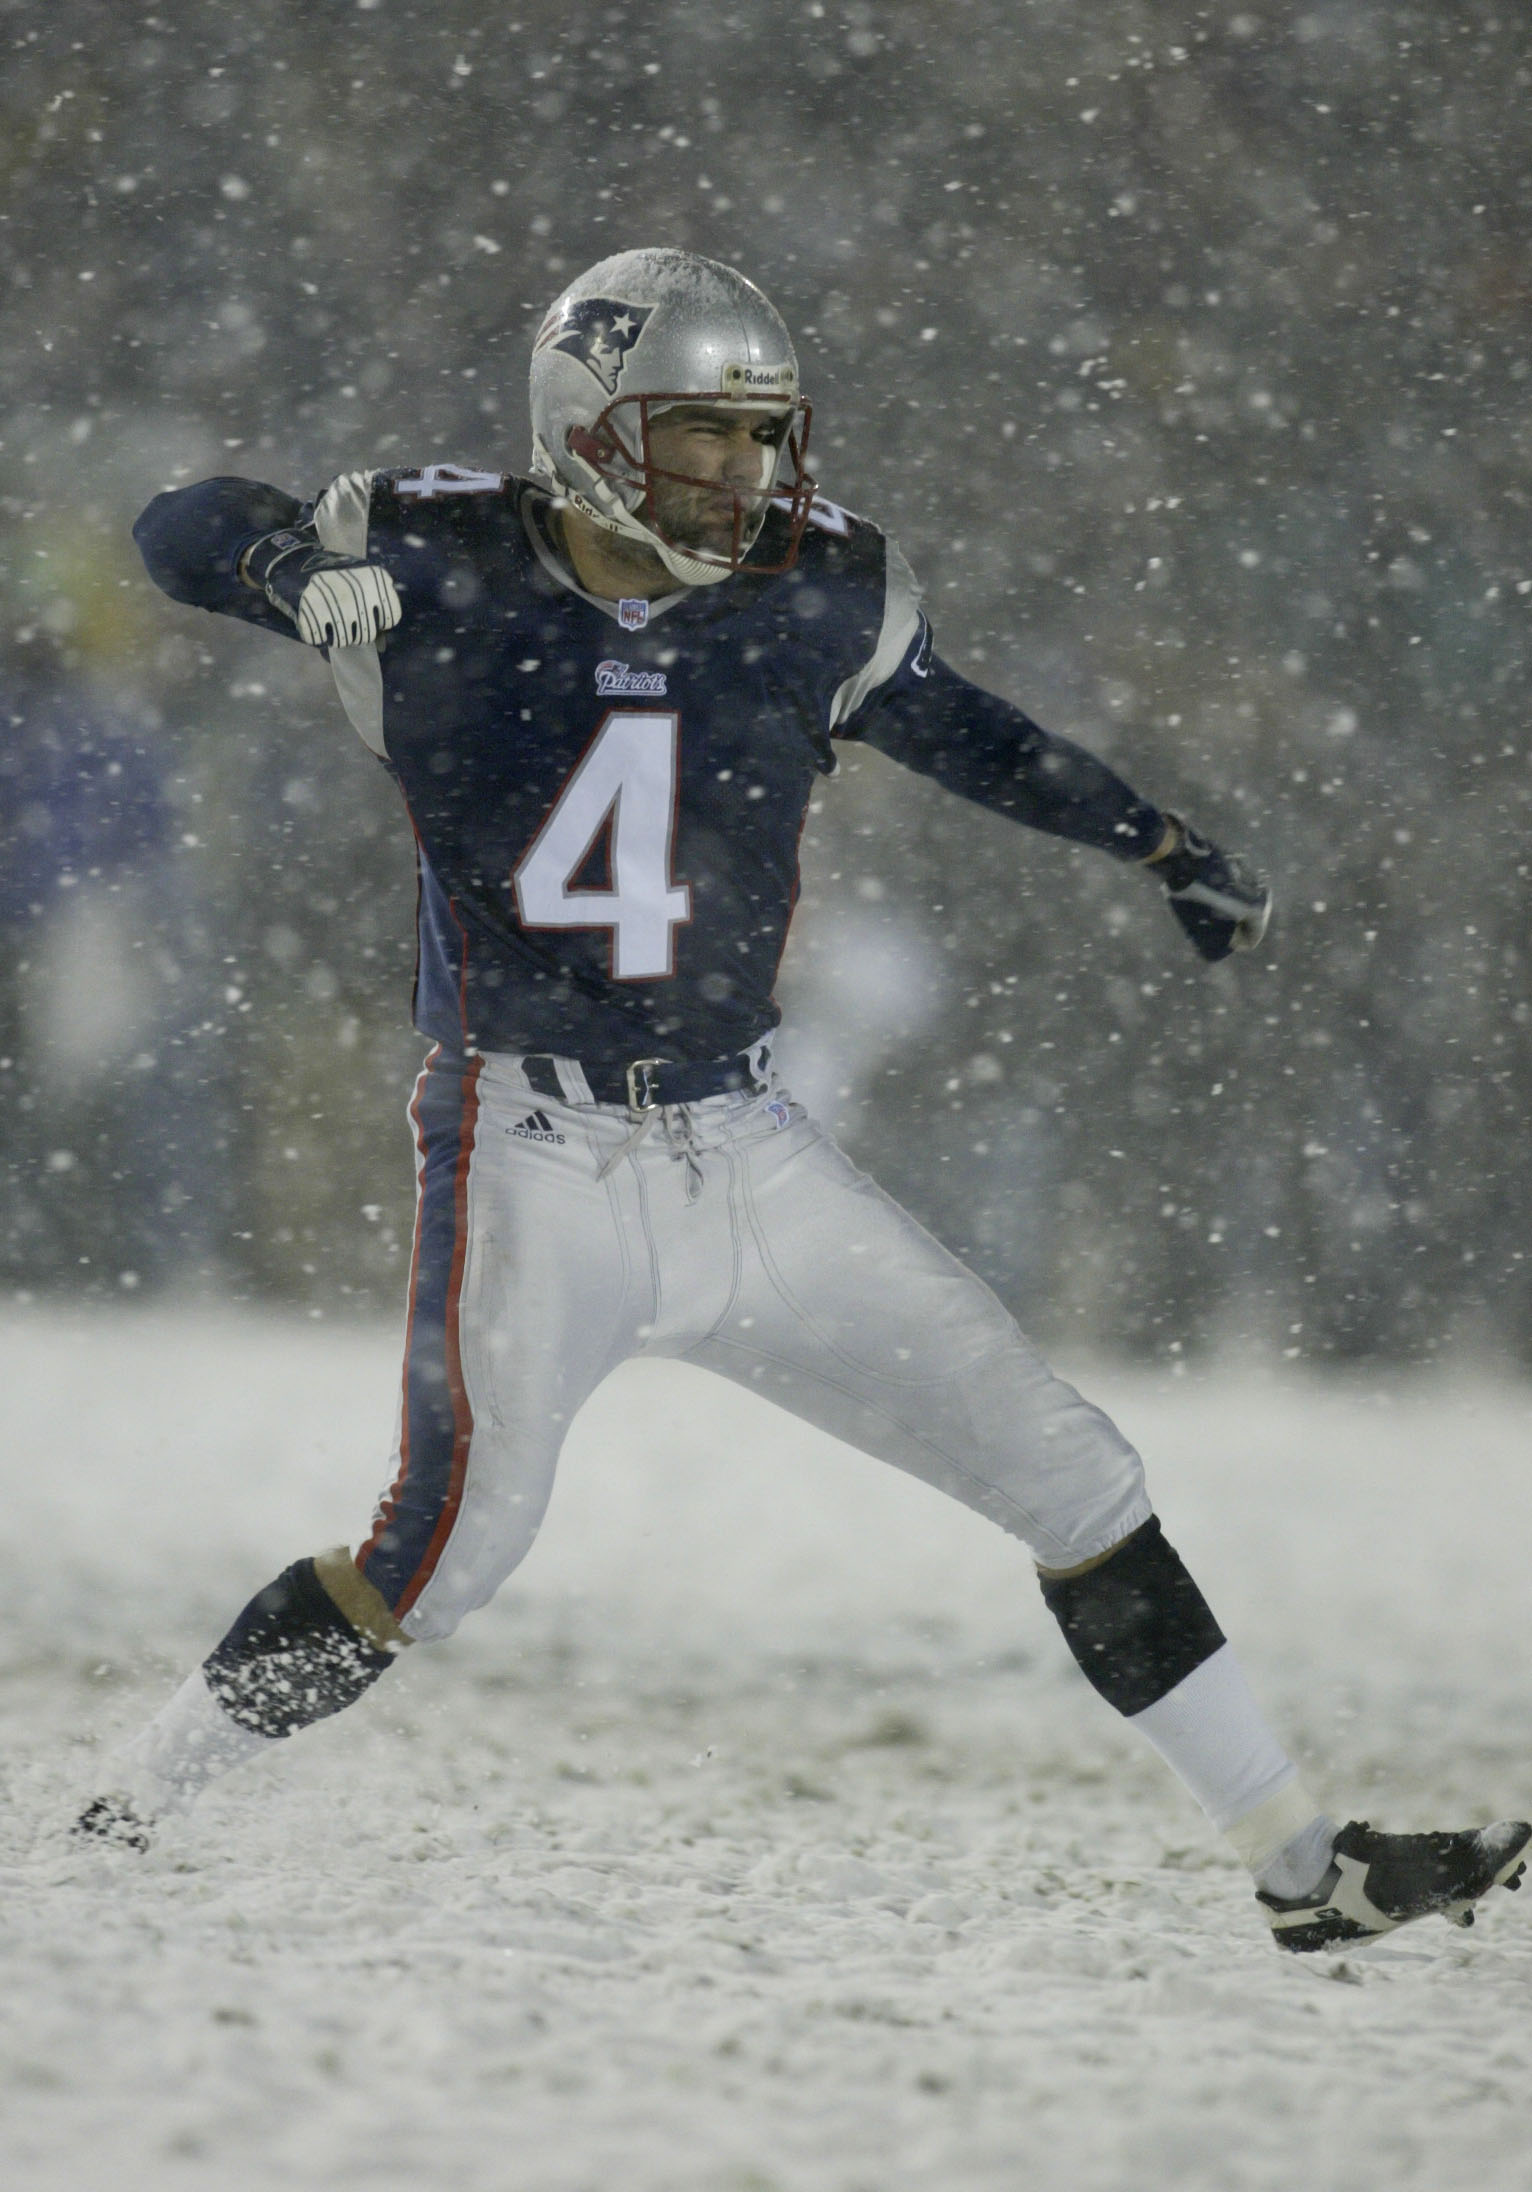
(606, 694)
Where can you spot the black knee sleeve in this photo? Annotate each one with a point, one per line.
(1138, 1624)
(292, 1657)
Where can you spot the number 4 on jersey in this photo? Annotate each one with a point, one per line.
(448, 479)
(628, 779)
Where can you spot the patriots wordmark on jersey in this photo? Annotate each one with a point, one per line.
(608, 809)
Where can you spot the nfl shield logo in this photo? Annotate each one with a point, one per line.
(632, 615)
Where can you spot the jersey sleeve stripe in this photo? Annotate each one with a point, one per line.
(901, 621)
(343, 512)
(342, 517)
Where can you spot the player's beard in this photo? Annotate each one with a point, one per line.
(701, 519)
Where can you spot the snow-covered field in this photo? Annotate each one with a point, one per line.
(762, 1838)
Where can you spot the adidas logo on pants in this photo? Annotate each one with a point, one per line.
(536, 1127)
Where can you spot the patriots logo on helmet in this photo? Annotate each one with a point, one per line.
(599, 331)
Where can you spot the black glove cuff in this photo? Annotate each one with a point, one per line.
(280, 565)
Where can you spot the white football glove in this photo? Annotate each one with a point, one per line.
(335, 601)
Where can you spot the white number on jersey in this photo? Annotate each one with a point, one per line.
(449, 479)
(829, 517)
(627, 779)
(825, 517)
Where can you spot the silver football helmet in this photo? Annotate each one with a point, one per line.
(628, 339)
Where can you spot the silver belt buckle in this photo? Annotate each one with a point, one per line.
(640, 1079)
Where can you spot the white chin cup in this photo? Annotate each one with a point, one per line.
(690, 570)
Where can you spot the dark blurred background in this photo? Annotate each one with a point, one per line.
(1185, 350)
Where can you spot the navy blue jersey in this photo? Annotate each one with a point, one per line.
(607, 797)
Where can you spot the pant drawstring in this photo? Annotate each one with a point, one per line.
(639, 1133)
(681, 1134)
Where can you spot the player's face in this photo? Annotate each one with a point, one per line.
(711, 442)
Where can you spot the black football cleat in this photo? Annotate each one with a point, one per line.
(113, 1819)
(1379, 1881)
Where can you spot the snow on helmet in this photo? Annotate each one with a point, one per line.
(633, 336)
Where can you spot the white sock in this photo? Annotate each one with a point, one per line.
(1300, 1864)
(1210, 1731)
(188, 1743)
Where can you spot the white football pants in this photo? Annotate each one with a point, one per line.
(552, 1243)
